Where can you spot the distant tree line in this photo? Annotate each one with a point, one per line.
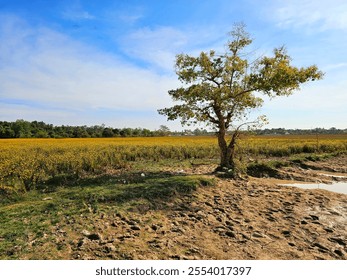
(283, 131)
(36, 129)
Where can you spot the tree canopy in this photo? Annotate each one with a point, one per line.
(220, 89)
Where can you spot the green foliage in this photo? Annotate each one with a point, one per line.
(220, 89)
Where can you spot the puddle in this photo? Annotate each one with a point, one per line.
(339, 187)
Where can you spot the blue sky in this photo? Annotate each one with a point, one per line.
(86, 62)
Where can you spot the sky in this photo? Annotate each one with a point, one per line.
(92, 62)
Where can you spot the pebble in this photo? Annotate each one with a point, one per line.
(154, 227)
(328, 230)
(230, 234)
(337, 240)
(286, 233)
(95, 236)
(110, 248)
(338, 252)
(85, 232)
(316, 244)
(257, 235)
(314, 217)
(135, 227)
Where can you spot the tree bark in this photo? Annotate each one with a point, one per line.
(226, 151)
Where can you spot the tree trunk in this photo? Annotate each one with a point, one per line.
(226, 152)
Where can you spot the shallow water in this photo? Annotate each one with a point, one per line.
(339, 187)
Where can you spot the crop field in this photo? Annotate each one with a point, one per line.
(27, 163)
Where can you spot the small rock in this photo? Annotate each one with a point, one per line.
(219, 219)
(135, 227)
(81, 242)
(103, 242)
(176, 257)
(47, 198)
(328, 230)
(320, 246)
(177, 229)
(209, 204)
(337, 240)
(286, 233)
(230, 234)
(257, 235)
(314, 217)
(114, 224)
(132, 223)
(94, 236)
(154, 227)
(85, 232)
(338, 252)
(194, 250)
(219, 229)
(245, 236)
(111, 248)
(76, 256)
(228, 223)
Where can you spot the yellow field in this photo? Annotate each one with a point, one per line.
(26, 162)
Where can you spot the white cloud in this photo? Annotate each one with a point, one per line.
(311, 14)
(335, 66)
(318, 104)
(45, 67)
(155, 46)
(158, 46)
(75, 12)
(12, 112)
(77, 15)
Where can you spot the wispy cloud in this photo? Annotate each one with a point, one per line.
(44, 66)
(75, 12)
(157, 47)
(77, 15)
(310, 14)
(314, 105)
(335, 66)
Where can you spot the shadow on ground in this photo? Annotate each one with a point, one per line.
(143, 191)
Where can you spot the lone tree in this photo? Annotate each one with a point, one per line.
(219, 89)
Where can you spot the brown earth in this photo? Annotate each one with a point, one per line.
(252, 218)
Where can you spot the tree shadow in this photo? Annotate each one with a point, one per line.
(150, 191)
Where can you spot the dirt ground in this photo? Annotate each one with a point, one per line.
(251, 218)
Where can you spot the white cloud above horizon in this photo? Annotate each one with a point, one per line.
(52, 69)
